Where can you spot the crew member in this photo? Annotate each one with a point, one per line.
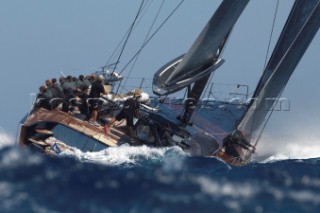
(96, 90)
(130, 110)
(43, 98)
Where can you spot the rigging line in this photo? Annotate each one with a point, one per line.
(145, 6)
(146, 38)
(264, 125)
(126, 41)
(121, 41)
(118, 46)
(116, 49)
(271, 35)
(207, 86)
(156, 17)
(265, 64)
(161, 25)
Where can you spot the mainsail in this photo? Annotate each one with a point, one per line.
(298, 32)
(204, 55)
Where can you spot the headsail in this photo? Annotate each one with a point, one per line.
(298, 32)
(204, 55)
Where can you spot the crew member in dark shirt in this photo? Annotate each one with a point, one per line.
(84, 97)
(130, 110)
(96, 90)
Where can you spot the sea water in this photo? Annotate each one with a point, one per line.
(143, 179)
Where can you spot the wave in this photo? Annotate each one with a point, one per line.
(126, 155)
(148, 179)
(269, 149)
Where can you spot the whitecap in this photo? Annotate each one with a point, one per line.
(127, 155)
(5, 138)
(290, 147)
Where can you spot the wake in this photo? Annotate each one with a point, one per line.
(269, 149)
(124, 154)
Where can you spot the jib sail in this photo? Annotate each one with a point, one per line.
(298, 32)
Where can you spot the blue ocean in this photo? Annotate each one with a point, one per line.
(143, 179)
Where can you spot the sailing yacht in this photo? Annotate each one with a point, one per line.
(224, 129)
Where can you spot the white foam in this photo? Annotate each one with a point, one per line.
(124, 154)
(5, 139)
(289, 147)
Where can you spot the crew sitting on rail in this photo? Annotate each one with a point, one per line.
(75, 96)
(69, 83)
(81, 82)
(56, 84)
(57, 96)
(43, 98)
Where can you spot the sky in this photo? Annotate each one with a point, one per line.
(38, 39)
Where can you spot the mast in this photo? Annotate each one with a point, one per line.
(192, 100)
